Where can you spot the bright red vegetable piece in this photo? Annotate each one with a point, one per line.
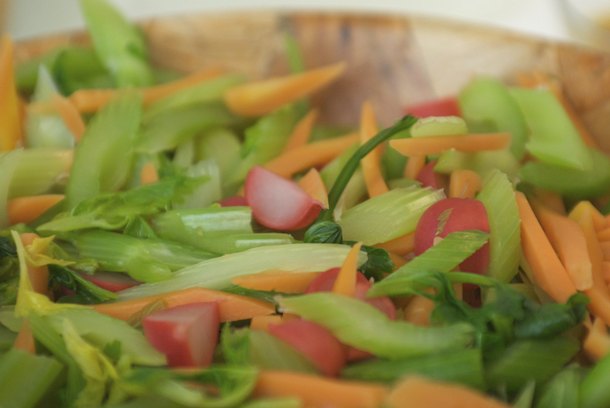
(233, 201)
(112, 281)
(186, 334)
(429, 178)
(438, 107)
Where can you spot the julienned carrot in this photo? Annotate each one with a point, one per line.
(414, 166)
(310, 155)
(464, 183)
(417, 392)
(397, 260)
(476, 142)
(231, 307)
(278, 280)
(10, 109)
(27, 209)
(25, 338)
(70, 115)
(570, 244)
(606, 271)
(91, 100)
(597, 341)
(149, 174)
(402, 245)
(345, 284)
(604, 234)
(263, 322)
(313, 185)
(315, 391)
(418, 311)
(302, 131)
(371, 163)
(585, 207)
(551, 200)
(549, 273)
(262, 97)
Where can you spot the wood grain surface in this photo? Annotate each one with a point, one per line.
(393, 61)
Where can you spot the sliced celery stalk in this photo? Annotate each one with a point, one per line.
(361, 325)
(269, 353)
(208, 192)
(439, 126)
(554, 139)
(169, 129)
(280, 402)
(442, 257)
(527, 360)
(79, 67)
(525, 398)
(487, 106)
(26, 378)
(228, 244)
(119, 45)
(217, 273)
(8, 164)
(104, 156)
(575, 184)
(594, 390)
(39, 170)
(459, 366)
(393, 163)
(387, 216)
(146, 260)
(223, 146)
(562, 391)
(355, 189)
(26, 73)
(174, 224)
(481, 162)
(498, 197)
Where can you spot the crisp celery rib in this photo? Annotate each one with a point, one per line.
(8, 163)
(270, 353)
(594, 390)
(217, 273)
(439, 126)
(39, 170)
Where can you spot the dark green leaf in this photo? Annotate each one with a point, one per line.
(324, 232)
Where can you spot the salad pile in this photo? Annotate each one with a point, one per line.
(202, 241)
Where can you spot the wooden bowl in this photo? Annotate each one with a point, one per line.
(393, 61)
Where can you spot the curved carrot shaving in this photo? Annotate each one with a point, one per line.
(149, 174)
(414, 166)
(91, 100)
(25, 339)
(314, 186)
(231, 307)
(302, 131)
(263, 322)
(345, 284)
(476, 142)
(418, 392)
(401, 245)
(70, 115)
(585, 207)
(315, 391)
(10, 108)
(597, 341)
(27, 209)
(418, 311)
(568, 240)
(262, 97)
(549, 273)
(310, 155)
(464, 183)
(278, 280)
(371, 166)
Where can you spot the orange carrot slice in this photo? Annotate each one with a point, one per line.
(310, 155)
(417, 146)
(549, 273)
(418, 311)
(585, 207)
(70, 115)
(402, 245)
(597, 341)
(464, 183)
(316, 391)
(263, 322)
(25, 339)
(397, 259)
(605, 246)
(604, 234)
(10, 112)
(27, 209)
(414, 165)
(39, 275)
(371, 163)
(345, 284)
(551, 200)
(231, 307)
(281, 281)
(313, 185)
(149, 174)
(302, 131)
(417, 392)
(606, 271)
(262, 97)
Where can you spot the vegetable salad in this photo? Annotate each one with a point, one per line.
(203, 241)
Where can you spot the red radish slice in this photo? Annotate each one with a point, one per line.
(233, 201)
(112, 281)
(186, 334)
(429, 178)
(452, 215)
(278, 203)
(439, 107)
(313, 341)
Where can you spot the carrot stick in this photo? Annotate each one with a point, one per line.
(414, 166)
(604, 234)
(149, 174)
(25, 339)
(10, 112)
(464, 183)
(549, 273)
(70, 115)
(597, 342)
(262, 97)
(313, 185)
(310, 155)
(27, 209)
(476, 142)
(418, 392)
(606, 271)
(263, 322)
(605, 246)
(315, 391)
(568, 240)
(401, 245)
(281, 281)
(231, 307)
(345, 284)
(371, 163)
(551, 200)
(585, 207)
(397, 260)
(418, 311)
(91, 100)
(302, 131)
